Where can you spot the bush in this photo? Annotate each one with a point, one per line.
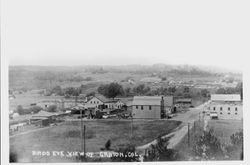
(52, 108)
(35, 109)
(160, 152)
(107, 145)
(208, 146)
(235, 150)
(13, 157)
(22, 111)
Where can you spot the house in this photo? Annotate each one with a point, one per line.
(151, 107)
(101, 102)
(43, 118)
(225, 106)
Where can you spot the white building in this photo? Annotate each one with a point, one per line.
(99, 100)
(226, 106)
(151, 107)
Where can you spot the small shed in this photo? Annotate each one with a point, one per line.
(43, 118)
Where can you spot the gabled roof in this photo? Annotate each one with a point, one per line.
(152, 100)
(100, 97)
(225, 97)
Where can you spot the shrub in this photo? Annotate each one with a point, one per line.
(160, 152)
(35, 109)
(208, 146)
(52, 108)
(107, 145)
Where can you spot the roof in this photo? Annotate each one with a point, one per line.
(43, 114)
(101, 98)
(125, 100)
(225, 97)
(183, 100)
(152, 100)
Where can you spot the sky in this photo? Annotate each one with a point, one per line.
(110, 32)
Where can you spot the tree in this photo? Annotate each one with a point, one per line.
(205, 93)
(235, 150)
(57, 90)
(111, 90)
(35, 109)
(22, 111)
(208, 146)
(239, 89)
(107, 145)
(160, 152)
(127, 91)
(90, 94)
(141, 89)
(186, 90)
(52, 108)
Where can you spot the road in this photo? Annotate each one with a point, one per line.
(186, 117)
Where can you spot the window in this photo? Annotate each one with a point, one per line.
(228, 113)
(221, 113)
(235, 113)
(90, 102)
(94, 102)
(236, 109)
(136, 106)
(221, 108)
(142, 107)
(229, 108)
(214, 108)
(97, 102)
(150, 107)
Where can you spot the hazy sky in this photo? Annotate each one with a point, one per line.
(79, 32)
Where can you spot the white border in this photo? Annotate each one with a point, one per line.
(4, 100)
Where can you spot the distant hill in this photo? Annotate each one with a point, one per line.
(36, 77)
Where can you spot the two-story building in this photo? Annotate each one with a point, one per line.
(225, 106)
(151, 107)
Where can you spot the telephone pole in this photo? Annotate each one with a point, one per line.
(81, 134)
(188, 135)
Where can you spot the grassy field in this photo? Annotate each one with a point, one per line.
(26, 99)
(66, 137)
(223, 129)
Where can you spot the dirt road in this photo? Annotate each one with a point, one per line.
(186, 117)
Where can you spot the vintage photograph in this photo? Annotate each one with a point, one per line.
(124, 81)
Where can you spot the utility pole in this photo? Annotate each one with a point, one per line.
(81, 133)
(84, 142)
(188, 136)
(131, 128)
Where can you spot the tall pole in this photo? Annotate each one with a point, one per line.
(188, 136)
(84, 142)
(131, 128)
(81, 134)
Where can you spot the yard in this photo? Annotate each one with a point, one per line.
(66, 137)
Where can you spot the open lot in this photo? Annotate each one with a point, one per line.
(223, 129)
(66, 137)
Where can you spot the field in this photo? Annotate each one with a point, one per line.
(223, 129)
(66, 137)
(28, 98)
